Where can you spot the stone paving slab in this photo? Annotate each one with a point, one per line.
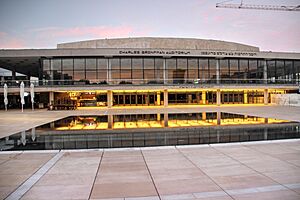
(219, 171)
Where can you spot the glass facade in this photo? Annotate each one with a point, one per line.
(157, 70)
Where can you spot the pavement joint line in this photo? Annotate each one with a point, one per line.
(209, 194)
(150, 175)
(28, 184)
(16, 155)
(220, 193)
(98, 169)
(246, 144)
(249, 147)
(142, 198)
(273, 156)
(186, 157)
(187, 196)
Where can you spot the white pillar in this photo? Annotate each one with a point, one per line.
(204, 116)
(203, 96)
(218, 71)
(108, 66)
(109, 99)
(166, 119)
(166, 98)
(265, 72)
(165, 71)
(158, 99)
(218, 97)
(110, 120)
(266, 97)
(218, 118)
(51, 98)
(245, 97)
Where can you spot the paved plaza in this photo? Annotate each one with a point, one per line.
(250, 170)
(260, 170)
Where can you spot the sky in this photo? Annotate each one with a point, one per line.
(45, 23)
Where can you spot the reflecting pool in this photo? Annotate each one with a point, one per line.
(142, 130)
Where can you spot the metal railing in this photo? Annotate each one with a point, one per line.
(144, 82)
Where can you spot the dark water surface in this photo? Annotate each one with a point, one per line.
(143, 130)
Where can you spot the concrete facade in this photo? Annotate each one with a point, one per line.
(159, 43)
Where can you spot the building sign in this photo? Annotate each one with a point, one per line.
(155, 52)
(182, 52)
(224, 53)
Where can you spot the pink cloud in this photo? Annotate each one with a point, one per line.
(89, 31)
(2, 34)
(10, 42)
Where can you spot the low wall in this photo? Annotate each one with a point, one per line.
(286, 99)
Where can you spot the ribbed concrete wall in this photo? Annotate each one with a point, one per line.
(159, 43)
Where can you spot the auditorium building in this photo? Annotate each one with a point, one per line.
(148, 72)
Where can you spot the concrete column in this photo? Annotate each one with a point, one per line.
(166, 98)
(109, 99)
(203, 97)
(158, 117)
(165, 71)
(218, 118)
(265, 72)
(245, 96)
(108, 75)
(198, 97)
(189, 99)
(158, 99)
(51, 98)
(110, 120)
(52, 125)
(218, 71)
(166, 119)
(266, 96)
(218, 97)
(147, 99)
(204, 116)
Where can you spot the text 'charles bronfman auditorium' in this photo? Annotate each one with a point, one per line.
(149, 71)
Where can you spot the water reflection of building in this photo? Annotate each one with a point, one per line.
(151, 71)
(155, 130)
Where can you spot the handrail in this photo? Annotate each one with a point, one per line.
(74, 83)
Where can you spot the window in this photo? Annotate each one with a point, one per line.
(193, 72)
(271, 70)
(67, 64)
(79, 64)
(46, 65)
(115, 68)
(212, 69)
(224, 69)
(91, 64)
(171, 67)
(243, 69)
(137, 69)
(102, 69)
(280, 74)
(253, 71)
(234, 68)
(126, 69)
(56, 65)
(204, 70)
(159, 69)
(91, 76)
(149, 69)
